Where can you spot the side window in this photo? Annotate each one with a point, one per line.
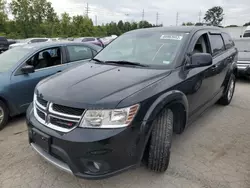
(46, 58)
(216, 44)
(38, 40)
(202, 45)
(227, 40)
(77, 53)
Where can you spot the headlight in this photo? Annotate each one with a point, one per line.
(116, 118)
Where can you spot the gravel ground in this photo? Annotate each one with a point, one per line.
(214, 152)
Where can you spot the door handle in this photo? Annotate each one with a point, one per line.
(59, 71)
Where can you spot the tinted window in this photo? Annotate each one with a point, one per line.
(3, 39)
(79, 53)
(46, 58)
(12, 56)
(88, 39)
(228, 40)
(38, 40)
(246, 34)
(152, 48)
(216, 44)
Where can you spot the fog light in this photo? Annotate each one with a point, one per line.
(97, 165)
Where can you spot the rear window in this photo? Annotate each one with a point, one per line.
(88, 39)
(216, 44)
(228, 40)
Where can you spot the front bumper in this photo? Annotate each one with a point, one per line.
(76, 152)
(243, 68)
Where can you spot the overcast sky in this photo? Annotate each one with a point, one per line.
(236, 11)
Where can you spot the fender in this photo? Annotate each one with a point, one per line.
(162, 101)
(232, 70)
(11, 107)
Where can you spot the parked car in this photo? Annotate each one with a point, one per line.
(92, 40)
(125, 104)
(11, 41)
(4, 45)
(243, 64)
(21, 68)
(29, 41)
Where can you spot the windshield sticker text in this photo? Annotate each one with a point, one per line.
(171, 37)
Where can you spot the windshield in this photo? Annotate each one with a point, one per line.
(10, 57)
(243, 45)
(151, 48)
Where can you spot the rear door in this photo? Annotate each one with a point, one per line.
(221, 60)
(47, 62)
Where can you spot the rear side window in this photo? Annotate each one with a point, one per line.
(77, 53)
(227, 40)
(217, 44)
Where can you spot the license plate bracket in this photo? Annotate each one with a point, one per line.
(41, 140)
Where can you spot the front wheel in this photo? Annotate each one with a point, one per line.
(160, 142)
(227, 97)
(4, 115)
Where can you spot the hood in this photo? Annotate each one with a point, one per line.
(244, 56)
(96, 85)
(17, 44)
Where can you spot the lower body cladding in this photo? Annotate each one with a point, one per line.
(87, 153)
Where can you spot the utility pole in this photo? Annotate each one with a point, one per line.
(157, 18)
(143, 15)
(200, 13)
(87, 10)
(95, 20)
(177, 18)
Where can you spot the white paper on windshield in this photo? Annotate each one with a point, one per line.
(171, 37)
(166, 62)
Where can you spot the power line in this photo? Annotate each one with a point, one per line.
(87, 10)
(157, 18)
(177, 18)
(200, 13)
(143, 15)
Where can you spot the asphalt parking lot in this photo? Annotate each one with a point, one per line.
(214, 152)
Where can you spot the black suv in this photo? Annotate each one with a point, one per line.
(108, 115)
(4, 44)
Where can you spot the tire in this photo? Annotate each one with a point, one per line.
(4, 115)
(227, 97)
(160, 142)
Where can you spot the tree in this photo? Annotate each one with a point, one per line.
(121, 26)
(187, 24)
(214, 15)
(3, 15)
(247, 24)
(232, 26)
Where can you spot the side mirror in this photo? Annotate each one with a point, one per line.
(28, 69)
(200, 60)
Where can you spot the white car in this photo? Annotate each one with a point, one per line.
(29, 41)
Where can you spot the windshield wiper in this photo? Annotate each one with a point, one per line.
(127, 63)
(97, 60)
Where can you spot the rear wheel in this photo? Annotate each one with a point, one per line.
(4, 115)
(160, 142)
(227, 97)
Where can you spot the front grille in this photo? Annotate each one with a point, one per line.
(40, 114)
(41, 101)
(62, 123)
(67, 110)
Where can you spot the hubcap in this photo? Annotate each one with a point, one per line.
(1, 114)
(230, 90)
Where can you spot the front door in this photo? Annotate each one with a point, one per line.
(46, 63)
